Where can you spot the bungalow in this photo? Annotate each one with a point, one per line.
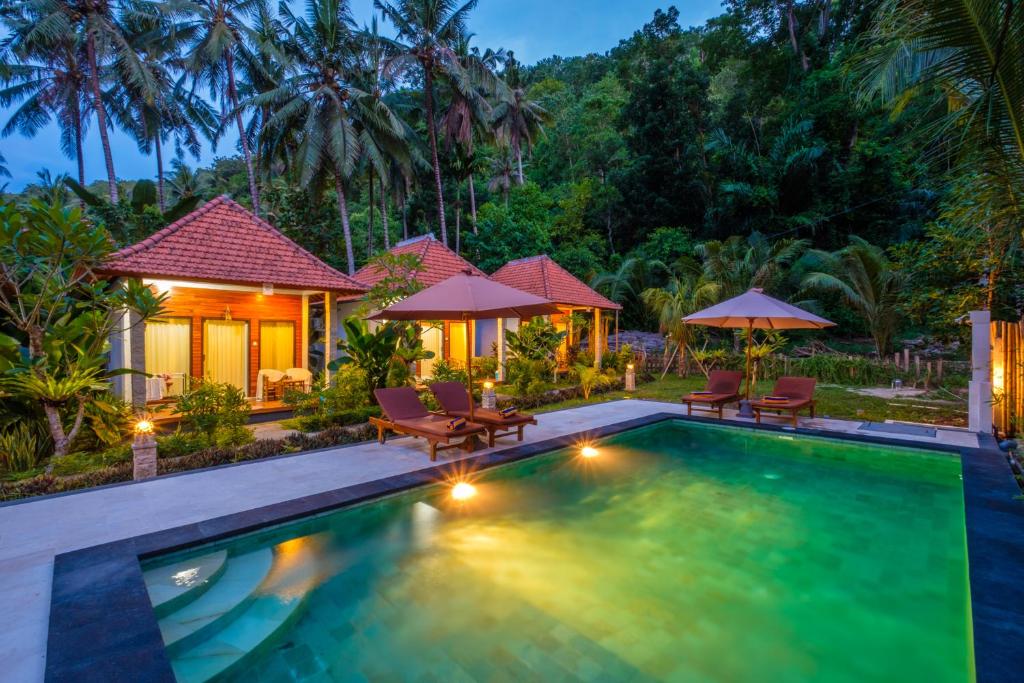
(241, 298)
(538, 275)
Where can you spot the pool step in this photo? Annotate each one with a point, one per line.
(261, 620)
(174, 586)
(226, 598)
(271, 610)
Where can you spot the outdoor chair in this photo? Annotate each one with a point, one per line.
(404, 413)
(723, 387)
(454, 401)
(299, 379)
(790, 395)
(269, 384)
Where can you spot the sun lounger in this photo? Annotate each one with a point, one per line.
(404, 413)
(723, 387)
(790, 395)
(455, 401)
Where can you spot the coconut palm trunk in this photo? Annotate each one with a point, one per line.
(519, 162)
(405, 218)
(428, 99)
(345, 229)
(243, 140)
(101, 115)
(458, 219)
(369, 225)
(159, 171)
(79, 156)
(384, 214)
(472, 203)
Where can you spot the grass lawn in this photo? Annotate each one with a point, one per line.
(832, 401)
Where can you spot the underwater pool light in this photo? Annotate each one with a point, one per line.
(463, 491)
(589, 452)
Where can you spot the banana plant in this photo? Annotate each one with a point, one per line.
(139, 215)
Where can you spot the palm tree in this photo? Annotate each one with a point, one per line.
(318, 99)
(468, 114)
(502, 169)
(220, 30)
(863, 276)
(738, 263)
(4, 173)
(106, 49)
(49, 82)
(684, 294)
(428, 32)
(518, 119)
(171, 110)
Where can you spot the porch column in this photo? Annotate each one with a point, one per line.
(135, 344)
(328, 333)
(501, 349)
(597, 338)
(979, 401)
(304, 333)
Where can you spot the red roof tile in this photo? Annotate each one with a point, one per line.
(223, 242)
(438, 262)
(540, 275)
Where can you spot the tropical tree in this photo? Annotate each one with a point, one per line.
(170, 110)
(219, 29)
(502, 167)
(107, 51)
(428, 33)
(518, 119)
(319, 103)
(62, 315)
(684, 294)
(739, 263)
(865, 279)
(47, 81)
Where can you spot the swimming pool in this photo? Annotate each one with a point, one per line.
(683, 551)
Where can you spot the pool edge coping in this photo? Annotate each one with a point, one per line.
(102, 625)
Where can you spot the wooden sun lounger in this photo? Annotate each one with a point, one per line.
(799, 393)
(455, 402)
(723, 387)
(405, 414)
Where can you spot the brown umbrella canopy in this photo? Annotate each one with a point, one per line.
(756, 309)
(467, 297)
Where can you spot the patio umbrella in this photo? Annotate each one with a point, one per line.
(755, 309)
(466, 297)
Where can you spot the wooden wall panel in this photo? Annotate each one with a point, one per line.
(252, 307)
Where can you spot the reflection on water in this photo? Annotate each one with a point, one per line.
(681, 553)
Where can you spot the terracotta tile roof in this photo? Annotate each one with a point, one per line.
(223, 242)
(438, 262)
(540, 275)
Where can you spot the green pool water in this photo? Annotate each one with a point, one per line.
(683, 552)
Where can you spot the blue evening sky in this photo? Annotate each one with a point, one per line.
(533, 29)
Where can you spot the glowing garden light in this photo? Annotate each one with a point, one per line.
(463, 491)
(144, 426)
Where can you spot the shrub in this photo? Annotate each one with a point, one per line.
(20, 448)
(445, 371)
(182, 443)
(210, 406)
(485, 367)
(591, 378)
(342, 418)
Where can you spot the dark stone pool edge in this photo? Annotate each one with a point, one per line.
(102, 626)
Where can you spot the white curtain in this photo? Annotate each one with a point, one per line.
(432, 341)
(168, 341)
(277, 345)
(226, 347)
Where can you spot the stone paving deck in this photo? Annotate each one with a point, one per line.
(33, 532)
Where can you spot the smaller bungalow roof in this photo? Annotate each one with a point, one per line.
(540, 275)
(438, 262)
(223, 242)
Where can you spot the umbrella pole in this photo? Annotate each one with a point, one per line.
(469, 369)
(750, 334)
(745, 409)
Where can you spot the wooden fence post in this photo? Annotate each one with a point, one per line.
(906, 360)
(938, 370)
(917, 366)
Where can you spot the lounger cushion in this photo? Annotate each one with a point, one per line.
(493, 417)
(724, 381)
(451, 395)
(710, 398)
(438, 425)
(400, 403)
